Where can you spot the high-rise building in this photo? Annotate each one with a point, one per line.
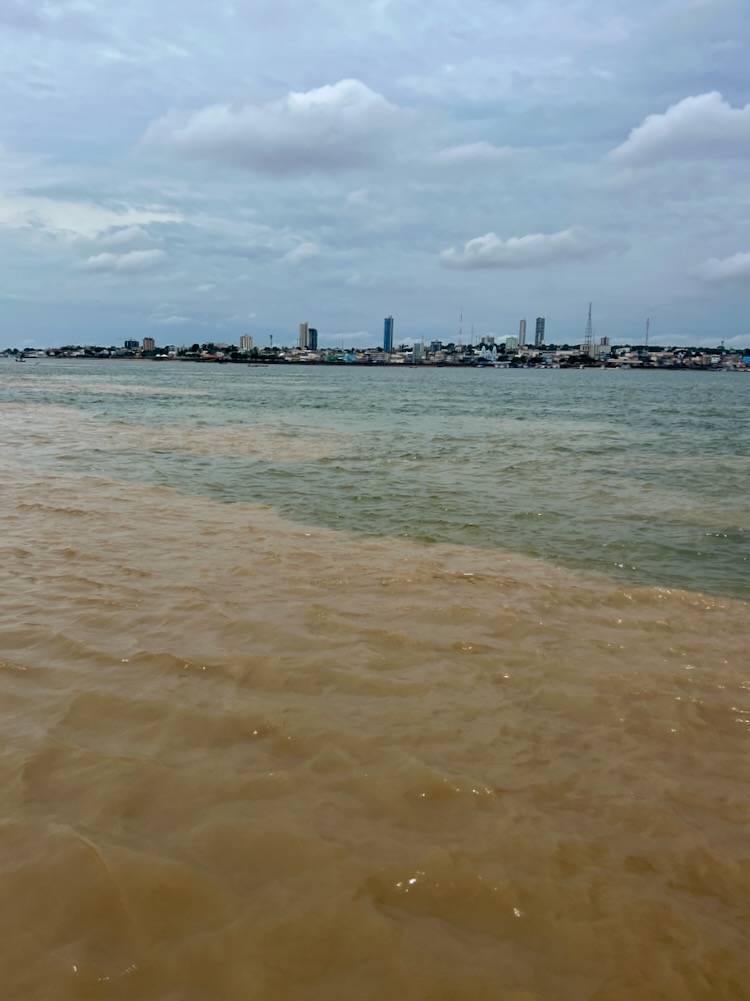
(539, 332)
(388, 335)
(246, 343)
(149, 344)
(131, 345)
(302, 342)
(522, 333)
(312, 339)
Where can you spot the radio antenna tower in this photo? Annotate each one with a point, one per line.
(648, 329)
(461, 325)
(588, 337)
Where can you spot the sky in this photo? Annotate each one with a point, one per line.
(193, 171)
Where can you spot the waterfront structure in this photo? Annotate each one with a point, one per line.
(302, 341)
(522, 334)
(131, 345)
(246, 343)
(539, 332)
(312, 339)
(602, 349)
(505, 353)
(388, 335)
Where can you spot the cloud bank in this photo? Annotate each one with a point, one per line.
(530, 251)
(334, 127)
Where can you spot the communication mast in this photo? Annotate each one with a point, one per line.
(588, 337)
(648, 329)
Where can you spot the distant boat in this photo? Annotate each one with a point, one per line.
(20, 358)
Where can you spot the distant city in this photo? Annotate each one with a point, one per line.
(512, 351)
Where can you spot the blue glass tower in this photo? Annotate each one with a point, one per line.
(539, 332)
(388, 335)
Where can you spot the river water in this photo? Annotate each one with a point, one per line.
(343, 684)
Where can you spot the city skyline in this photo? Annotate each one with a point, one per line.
(309, 338)
(539, 158)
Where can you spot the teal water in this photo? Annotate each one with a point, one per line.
(641, 475)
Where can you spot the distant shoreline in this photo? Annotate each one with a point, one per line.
(397, 366)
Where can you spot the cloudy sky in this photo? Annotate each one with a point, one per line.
(194, 171)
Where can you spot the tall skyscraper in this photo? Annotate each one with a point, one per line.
(539, 332)
(312, 339)
(388, 335)
(522, 333)
(246, 343)
(149, 344)
(302, 341)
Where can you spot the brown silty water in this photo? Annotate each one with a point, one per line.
(246, 759)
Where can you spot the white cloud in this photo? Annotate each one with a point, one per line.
(120, 235)
(69, 218)
(699, 127)
(532, 250)
(205, 287)
(726, 270)
(134, 261)
(336, 126)
(474, 153)
(302, 252)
